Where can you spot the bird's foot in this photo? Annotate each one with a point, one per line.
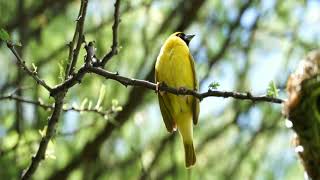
(158, 86)
(183, 89)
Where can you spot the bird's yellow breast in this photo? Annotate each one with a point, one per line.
(173, 64)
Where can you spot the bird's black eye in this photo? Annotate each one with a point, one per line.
(181, 35)
(185, 38)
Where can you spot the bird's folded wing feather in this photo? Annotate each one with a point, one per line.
(165, 107)
(195, 102)
(166, 113)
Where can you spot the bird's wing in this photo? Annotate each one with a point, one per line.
(165, 107)
(195, 102)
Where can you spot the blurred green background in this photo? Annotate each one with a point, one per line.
(242, 45)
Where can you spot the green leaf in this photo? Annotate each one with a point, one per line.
(75, 105)
(119, 108)
(61, 71)
(115, 102)
(101, 96)
(51, 156)
(115, 106)
(272, 90)
(43, 132)
(35, 68)
(83, 104)
(214, 85)
(90, 105)
(50, 152)
(18, 43)
(4, 35)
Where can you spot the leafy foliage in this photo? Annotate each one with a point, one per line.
(272, 90)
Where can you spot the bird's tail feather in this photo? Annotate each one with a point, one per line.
(190, 155)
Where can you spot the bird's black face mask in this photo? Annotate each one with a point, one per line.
(186, 38)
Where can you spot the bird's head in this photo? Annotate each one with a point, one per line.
(185, 37)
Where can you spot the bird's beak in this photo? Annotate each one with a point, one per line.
(189, 37)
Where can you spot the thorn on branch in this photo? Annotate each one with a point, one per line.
(69, 44)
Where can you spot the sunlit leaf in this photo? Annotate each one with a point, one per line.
(4, 35)
(101, 96)
(272, 90)
(83, 104)
(43, 132)
(214, 85)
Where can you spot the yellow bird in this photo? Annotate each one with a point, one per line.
(175, 68)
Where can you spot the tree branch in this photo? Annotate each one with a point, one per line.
(161, 87)
(51, 128)
(33, 74)
(78, 35)
(21, 99)
(114, 46)
(51, 107)
(181, 91)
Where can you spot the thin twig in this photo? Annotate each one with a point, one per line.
(51, 107)
(21, 99)
(114, 46)
(79, 31)
(26, 69)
